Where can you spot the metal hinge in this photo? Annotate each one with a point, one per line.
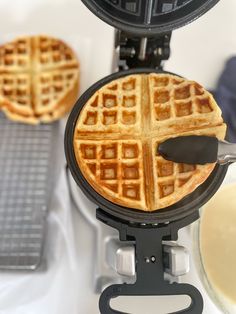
(136, 52)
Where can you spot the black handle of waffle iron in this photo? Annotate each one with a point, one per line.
(150, 263)
(196, 306)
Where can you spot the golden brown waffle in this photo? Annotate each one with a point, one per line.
(16, 56)
(119, 129)
(39, 79)
(51, 54)
(178, 104)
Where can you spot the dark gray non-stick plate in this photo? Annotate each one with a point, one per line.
(148, 17)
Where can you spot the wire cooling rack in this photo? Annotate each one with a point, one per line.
(27, 156)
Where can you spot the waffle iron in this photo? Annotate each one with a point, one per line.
(142, 42)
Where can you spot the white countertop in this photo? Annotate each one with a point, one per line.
(199, 51)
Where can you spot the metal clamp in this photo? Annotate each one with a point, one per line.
(226, 152)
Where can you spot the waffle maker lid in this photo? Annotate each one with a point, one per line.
(148, 17)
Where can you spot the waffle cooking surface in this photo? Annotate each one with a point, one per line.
(148, 17)
(38, 79)
(120, 127)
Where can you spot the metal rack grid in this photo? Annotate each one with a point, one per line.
(26, 173)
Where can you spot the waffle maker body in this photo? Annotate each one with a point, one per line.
(147, 25)
(179, 210)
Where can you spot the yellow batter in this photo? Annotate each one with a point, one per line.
(218, 241)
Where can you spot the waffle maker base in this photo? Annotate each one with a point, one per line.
(147, 230)
(179, 210)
